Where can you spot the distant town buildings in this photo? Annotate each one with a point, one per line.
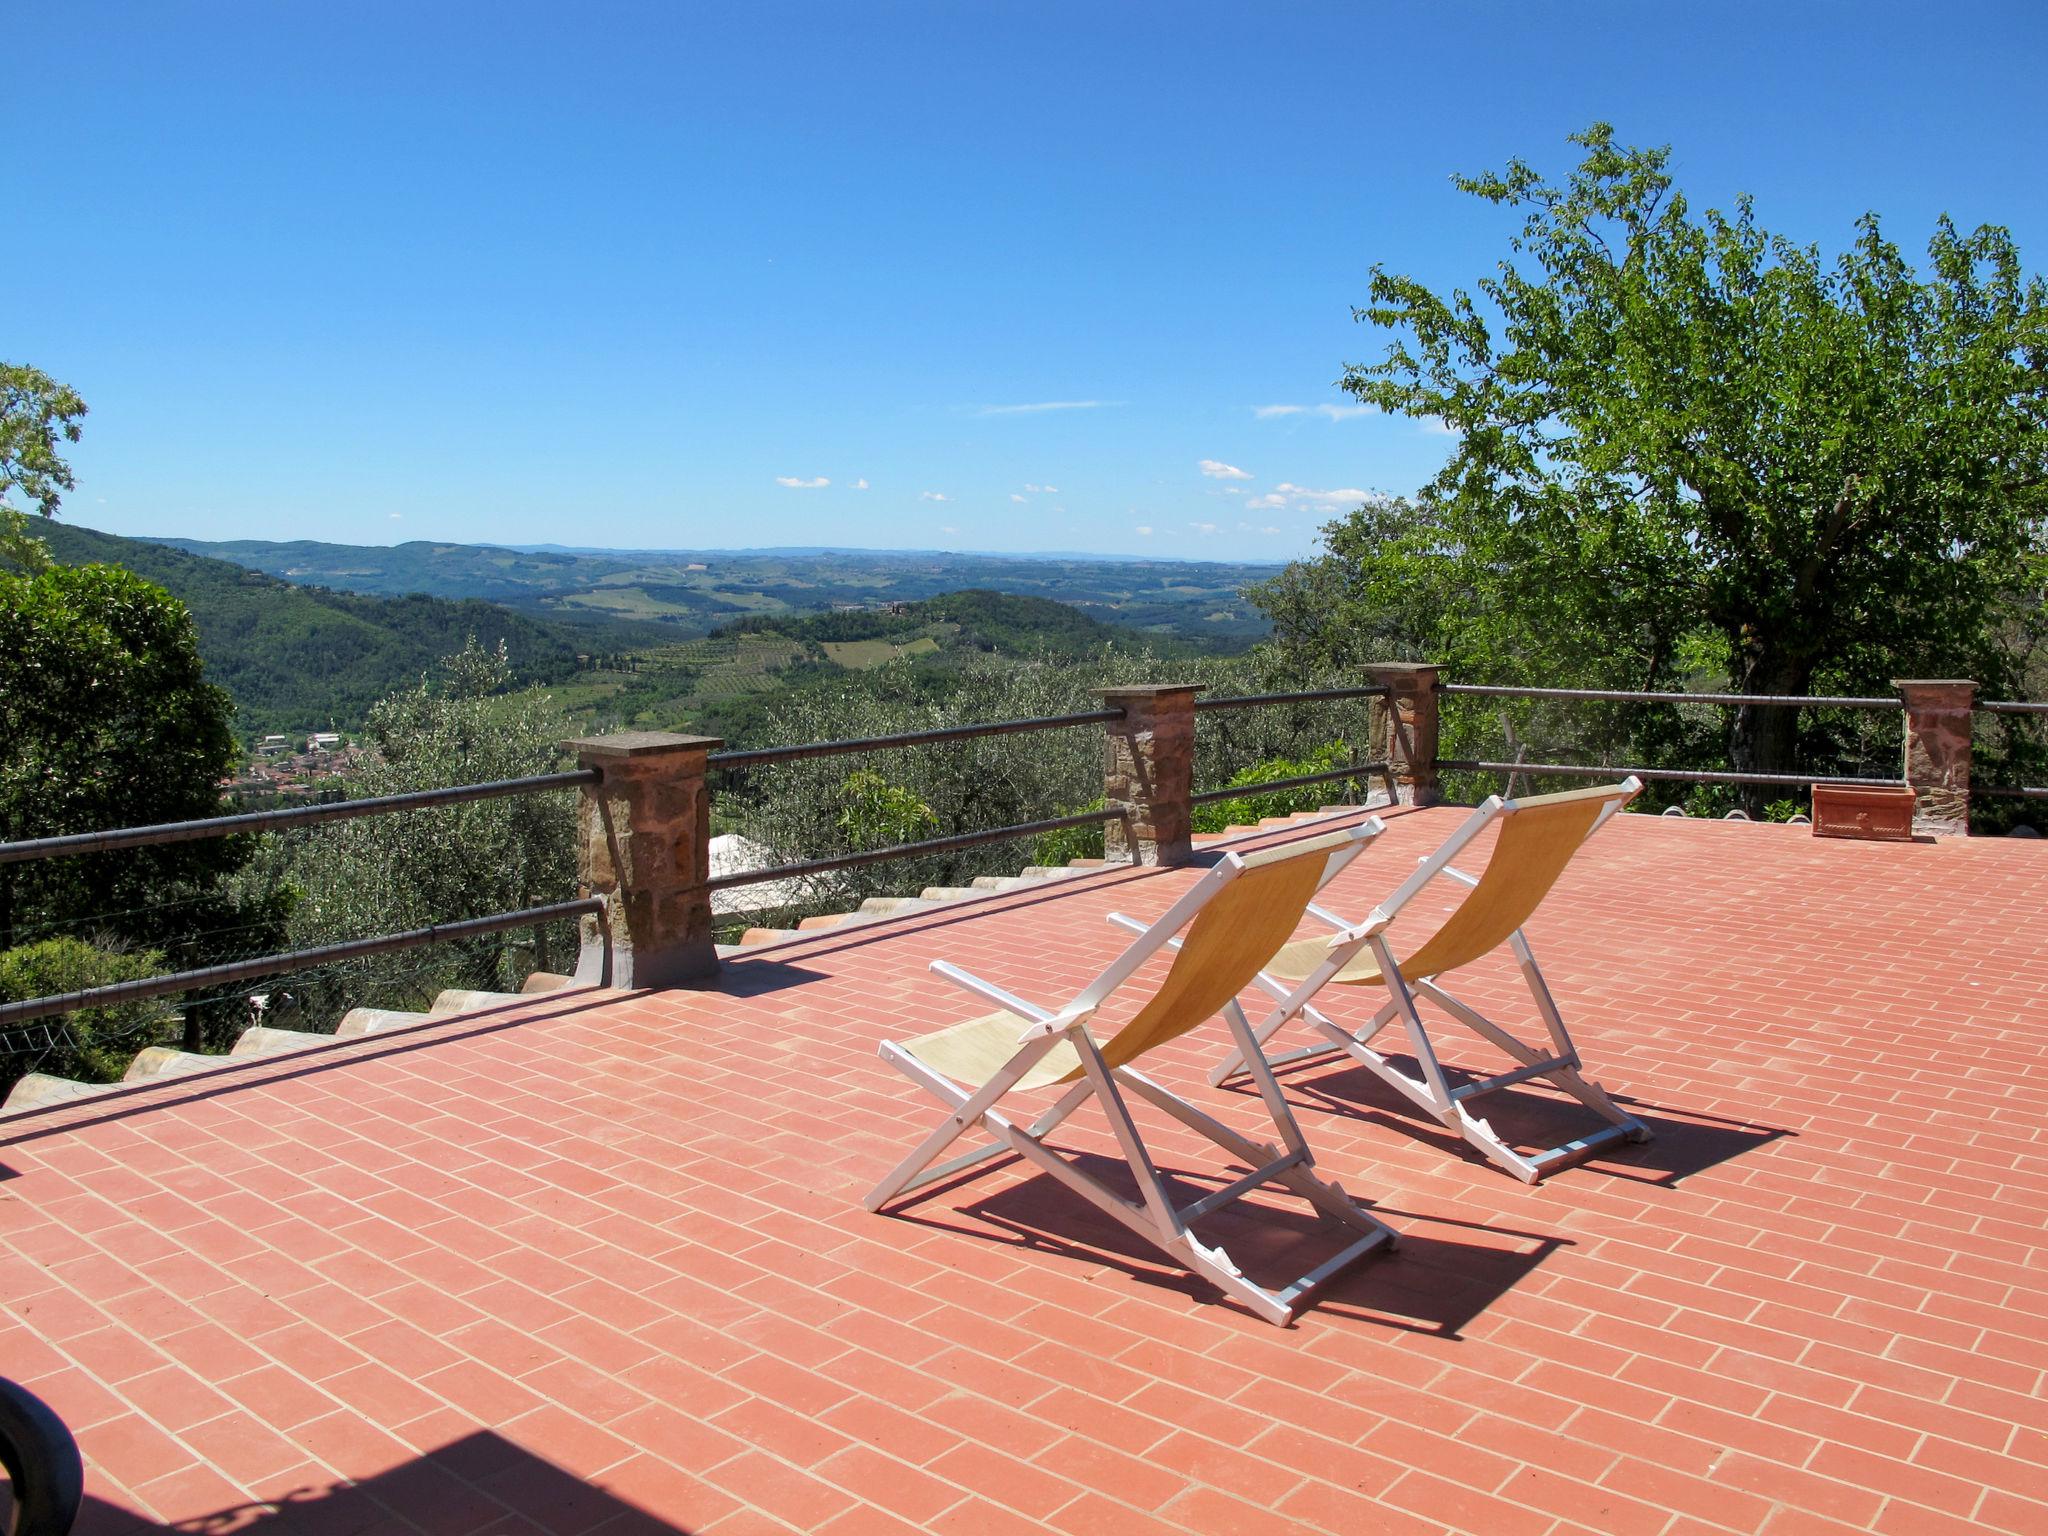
(276, 772)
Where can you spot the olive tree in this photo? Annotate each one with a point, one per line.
(1685, 446)
(392, 873)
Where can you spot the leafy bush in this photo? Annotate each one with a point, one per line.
(1247, 810)
(1055, 848)
(92, 1044)
(877, 814)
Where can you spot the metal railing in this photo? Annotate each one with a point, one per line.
(1312, 696)
(291, 816)
(1727, 700)
(1298, 781)
(291, 960)
(1888, 704)
(79, 844)
(1004, 834)
(1252, 791)
(1621, 696)
(1683, 775)
(804, 869)
(753, 756)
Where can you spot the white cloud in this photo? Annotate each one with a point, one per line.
(1033, 406)
(797, 484)
(860, 485)
(1015, 497)
(1303, 496)
(933, 496)
(1436, 426)
(1327, 412)
(1216, 469)
(1269, 530)
(394, 516)
(1203, 527)
(1268, 500)
(1143, 530)
(1041, 490)
(949, 528)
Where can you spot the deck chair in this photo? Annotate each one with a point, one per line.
(1235, 917)
(1538, 837)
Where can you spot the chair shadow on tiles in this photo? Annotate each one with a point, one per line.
(1440, 1277)
(1684, 1142)
(482, 1481)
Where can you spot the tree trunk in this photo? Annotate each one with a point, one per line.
(1766, 736)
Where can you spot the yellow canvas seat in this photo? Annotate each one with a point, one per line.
(1539, 836)
(1235, 917)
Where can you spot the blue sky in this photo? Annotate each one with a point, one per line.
(681, 275)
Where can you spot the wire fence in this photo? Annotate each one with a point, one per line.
(1675, 742)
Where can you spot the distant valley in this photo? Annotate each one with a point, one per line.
(698, 590)
(306, 636)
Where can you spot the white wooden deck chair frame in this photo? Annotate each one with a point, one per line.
(1104, 1075)
(1431, 1088)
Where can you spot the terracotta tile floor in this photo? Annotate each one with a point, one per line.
(602, 1265)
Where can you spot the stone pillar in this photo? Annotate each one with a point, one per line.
(1938, 716)
(1410, 713)
(644, 844)
(1148, 769)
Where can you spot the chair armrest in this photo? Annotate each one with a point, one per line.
(1453, 871)
(989, 990)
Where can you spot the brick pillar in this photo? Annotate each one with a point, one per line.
(644, 844)
(1148, 769)
(1411, 728)
(1938, 715)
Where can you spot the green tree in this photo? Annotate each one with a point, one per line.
(1685, 445)
(105, 721)
(386, 874)
(36, 414)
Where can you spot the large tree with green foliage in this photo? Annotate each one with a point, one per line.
(1686, 446)
(105, 721)
(37, 414)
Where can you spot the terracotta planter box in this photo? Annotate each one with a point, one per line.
(1880, 813)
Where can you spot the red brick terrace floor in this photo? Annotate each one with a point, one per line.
(602, 1265)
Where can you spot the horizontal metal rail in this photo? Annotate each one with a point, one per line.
(1270, 786)
(910, 850)
(2014, 792)
(2011, 707)
(750, 757)
(1616, 696)
(292, 816)
(1249, 700)
(1684, 775)
(291, 960)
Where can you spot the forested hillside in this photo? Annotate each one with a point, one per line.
(295, 658)
(695, 590)
(978, 620)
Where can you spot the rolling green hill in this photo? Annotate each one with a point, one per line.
(697, 590)
(298, 658)
(975, 620)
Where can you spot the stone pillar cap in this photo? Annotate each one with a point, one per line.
(1934, 682)
(631, 744)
